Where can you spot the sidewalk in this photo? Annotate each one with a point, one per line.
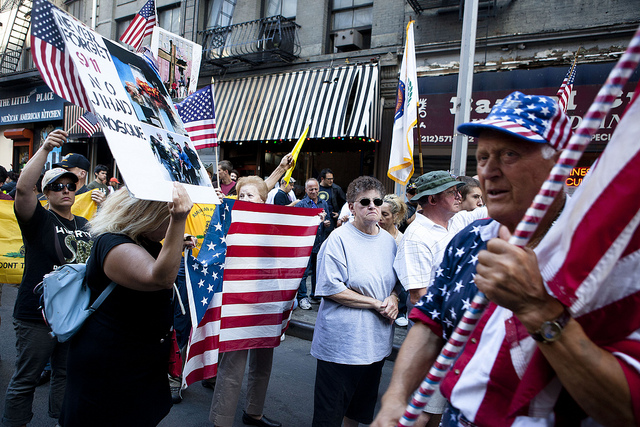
(303, 322)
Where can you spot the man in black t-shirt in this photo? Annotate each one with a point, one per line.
(331, 193)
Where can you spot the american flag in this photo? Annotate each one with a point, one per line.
(141, 26)
(89, 123)
(244, 280)
(565, 89)
(198, 114)
(51, 57)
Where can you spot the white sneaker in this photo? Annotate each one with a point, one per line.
(401, 321)
(305, 304)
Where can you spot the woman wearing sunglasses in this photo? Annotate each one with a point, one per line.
(353, 332)
(52, 236)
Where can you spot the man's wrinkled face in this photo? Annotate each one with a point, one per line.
(511, 172)
(312, 190)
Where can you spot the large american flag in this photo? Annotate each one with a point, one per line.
(141, 26)
(51, 57)
(564, 93)
(89, 123)
(198, 114)
(244, 280)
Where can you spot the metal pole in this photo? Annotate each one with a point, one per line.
(94, 14)
(465, 84)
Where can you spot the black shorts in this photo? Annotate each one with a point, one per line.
(345, 390)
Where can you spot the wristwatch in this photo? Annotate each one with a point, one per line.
(551, 330)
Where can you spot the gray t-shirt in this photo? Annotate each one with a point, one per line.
(351, 259)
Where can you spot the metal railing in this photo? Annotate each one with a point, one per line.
(22, 58)
(269, 39)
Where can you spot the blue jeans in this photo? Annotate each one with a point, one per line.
(311, 270)
(34, 347)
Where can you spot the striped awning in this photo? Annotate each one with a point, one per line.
(337, 102)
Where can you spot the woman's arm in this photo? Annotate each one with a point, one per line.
(25, 200)
(285, 164)
(387, 308)
(133, 267)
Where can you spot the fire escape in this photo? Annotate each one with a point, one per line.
(17, 36)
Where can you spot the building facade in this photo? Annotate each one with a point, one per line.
(280, 65)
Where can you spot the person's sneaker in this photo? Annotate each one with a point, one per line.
(314, 300)
(305, 304)
(402, 321)
(176, 394)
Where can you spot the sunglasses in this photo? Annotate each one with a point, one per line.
(56, 186)
(365, 201)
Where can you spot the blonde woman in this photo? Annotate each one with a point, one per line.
(393, 212)
(117, 363)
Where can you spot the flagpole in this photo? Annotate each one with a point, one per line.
(216, 149)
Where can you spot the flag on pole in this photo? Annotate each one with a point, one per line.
(295, 152)
(141, 26)
(564, 93)
(149, 57)
(50, 56)
(89, 123)
(244, 280)
(406, 116)
(198, 114)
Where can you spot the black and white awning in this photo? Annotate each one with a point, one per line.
(337, 102)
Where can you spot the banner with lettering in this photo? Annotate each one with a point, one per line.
(144, 132)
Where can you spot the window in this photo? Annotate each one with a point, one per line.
(351, 22)
(219, 13)
(169, 18)
(76, 9)
(286, 8)
(121, 27)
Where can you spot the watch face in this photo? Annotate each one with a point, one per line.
(550, 331)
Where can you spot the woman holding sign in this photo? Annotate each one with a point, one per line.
(118, 360)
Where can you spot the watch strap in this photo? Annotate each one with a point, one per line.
(561, 322)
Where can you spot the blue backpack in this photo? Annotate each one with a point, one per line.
(65, 299)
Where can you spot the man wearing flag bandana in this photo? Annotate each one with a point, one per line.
(528, 362)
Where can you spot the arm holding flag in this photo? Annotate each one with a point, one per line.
(510, 277)
(286, 163)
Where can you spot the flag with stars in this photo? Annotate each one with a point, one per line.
(565, 89)
(89, 123)
(141, 26)
(51, 57)
(198, 114)
(453, 288)
(244, 280)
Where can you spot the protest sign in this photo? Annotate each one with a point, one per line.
(144, 132)
(178, 62)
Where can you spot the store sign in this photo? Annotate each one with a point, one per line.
(576, 176)
(38, 104)
(437, 110)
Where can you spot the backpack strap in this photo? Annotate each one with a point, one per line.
(102, 297)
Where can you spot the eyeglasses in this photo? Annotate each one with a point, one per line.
(56, 186)
(366, 202)
(454, 192)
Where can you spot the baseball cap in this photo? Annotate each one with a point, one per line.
(434, 182)
(74, 160)
(52, 174)
(533, 118)
(114, 180)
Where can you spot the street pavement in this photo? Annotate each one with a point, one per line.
(289, 398)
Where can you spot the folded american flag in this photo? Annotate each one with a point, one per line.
(198, 114)
(244, 280)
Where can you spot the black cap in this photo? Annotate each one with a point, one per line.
(74, 160)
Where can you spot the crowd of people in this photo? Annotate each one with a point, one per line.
(529, 362)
